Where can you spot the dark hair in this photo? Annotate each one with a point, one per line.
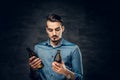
(55, 18)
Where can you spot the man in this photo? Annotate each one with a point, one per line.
(71, 66)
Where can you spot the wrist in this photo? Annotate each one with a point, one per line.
(69, 74)
(65, 73)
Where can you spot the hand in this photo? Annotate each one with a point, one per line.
(35, 62)
(59, 67)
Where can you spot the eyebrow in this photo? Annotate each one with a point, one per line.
(55, 28)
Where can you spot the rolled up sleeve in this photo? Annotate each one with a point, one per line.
(77, 65)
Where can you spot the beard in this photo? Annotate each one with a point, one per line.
(55, 39)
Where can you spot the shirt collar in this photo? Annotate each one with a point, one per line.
(61, 42)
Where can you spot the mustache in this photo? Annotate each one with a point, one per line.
(54, 36)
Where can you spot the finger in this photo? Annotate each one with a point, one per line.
(54, 66)
(55, 69)
(57, 64)
(35, 60)
(32, 58)
(37, 63)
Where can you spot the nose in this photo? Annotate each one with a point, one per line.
(54, 32)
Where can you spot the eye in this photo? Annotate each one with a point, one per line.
(50, 30)
(57, 29)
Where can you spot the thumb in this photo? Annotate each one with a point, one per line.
(62, 62)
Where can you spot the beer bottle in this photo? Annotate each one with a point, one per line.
(32, 53)
(58, 57)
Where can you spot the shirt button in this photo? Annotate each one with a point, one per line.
(51, 75)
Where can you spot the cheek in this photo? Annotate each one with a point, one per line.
(49, 34)
(60, 33)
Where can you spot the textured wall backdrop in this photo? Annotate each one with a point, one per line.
(88, 24)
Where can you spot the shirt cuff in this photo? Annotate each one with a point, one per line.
(78, 76)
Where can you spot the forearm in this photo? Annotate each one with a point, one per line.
(72, 75)
(69, 74)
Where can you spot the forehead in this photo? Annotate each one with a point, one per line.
(53, 25)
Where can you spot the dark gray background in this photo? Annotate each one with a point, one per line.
(91, 24)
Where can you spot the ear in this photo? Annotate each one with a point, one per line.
(63, 28)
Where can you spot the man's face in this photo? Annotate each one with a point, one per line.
(54, 30)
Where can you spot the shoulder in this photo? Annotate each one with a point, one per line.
(70, 44)
(73, 47)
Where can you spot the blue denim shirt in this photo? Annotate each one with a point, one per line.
(70, 54)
